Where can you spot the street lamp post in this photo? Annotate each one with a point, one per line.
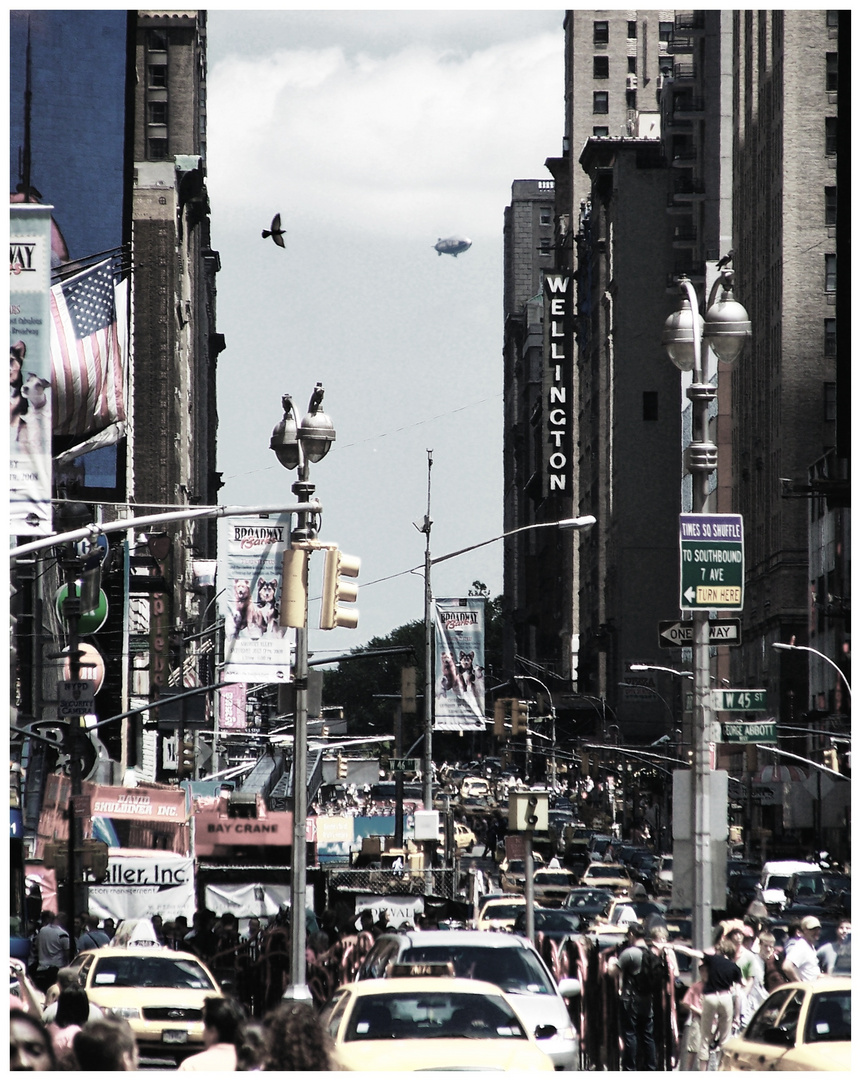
(296, 445)
(783, 646)
(726, 328)
(579, 523)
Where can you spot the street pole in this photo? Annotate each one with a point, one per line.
(727, 327)
(428, 652)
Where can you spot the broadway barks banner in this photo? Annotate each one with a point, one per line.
(459, 691)
(256, 647)
(30, 470)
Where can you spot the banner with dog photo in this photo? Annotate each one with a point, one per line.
(256, 647)
(459, 690)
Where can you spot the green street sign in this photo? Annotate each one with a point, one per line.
(740, 700)
(404, 764)
(737, 731)
(712, 562)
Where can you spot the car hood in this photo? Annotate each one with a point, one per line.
(411, 1055)
(538, 1009)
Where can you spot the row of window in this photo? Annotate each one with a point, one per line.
(600, 102)
(156, 110)
(600, 31)
(600, 66)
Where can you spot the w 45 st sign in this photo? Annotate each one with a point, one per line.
(712, 562)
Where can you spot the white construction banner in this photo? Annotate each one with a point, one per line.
(142, 884)
(459, 683)
(256, 647)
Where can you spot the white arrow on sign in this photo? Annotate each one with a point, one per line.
(690, 595)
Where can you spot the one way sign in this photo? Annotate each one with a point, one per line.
(675, 635)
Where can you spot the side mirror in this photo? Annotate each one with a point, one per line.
(569, 988)
(545, 1031)
(778, 1037)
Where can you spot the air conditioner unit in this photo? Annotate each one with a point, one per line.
(632, 82)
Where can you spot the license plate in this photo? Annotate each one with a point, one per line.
(174, 1036)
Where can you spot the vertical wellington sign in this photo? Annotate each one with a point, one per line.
(558, 425)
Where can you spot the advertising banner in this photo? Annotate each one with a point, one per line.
(260, 900)
(232, 715)
(30, 370)
(142, 884)
(459, 696)
(256, 647)
(334, 838)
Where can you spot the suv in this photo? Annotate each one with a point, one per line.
(510, 962)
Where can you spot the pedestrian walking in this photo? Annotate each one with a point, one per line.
(801, 960)
(53, 950)
(638, 968)
(720, 1006)
(222, 1020)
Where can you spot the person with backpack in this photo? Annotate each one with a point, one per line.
(638, 967)
(720, 1004)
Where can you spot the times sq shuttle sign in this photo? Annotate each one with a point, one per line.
(557, 388)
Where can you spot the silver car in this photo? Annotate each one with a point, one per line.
(506, 960)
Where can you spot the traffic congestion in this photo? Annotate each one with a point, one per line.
(585, 966)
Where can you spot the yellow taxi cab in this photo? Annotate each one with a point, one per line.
(427, 1022)
(500, 912)
(801, 1027)
(160, 993)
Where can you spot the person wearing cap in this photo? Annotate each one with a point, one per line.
(801, 962)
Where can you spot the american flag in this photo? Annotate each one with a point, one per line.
(87, 352)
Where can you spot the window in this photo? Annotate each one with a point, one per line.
(631, 65)
(832, 76)
(156, 41)
(649, 406)
(600, 132)
(631, 99)
(830, 401)
(157, 150)
(545, 246)
(600, 67)
(667, 31)
(666, 66)
(829, 337)
(157, 112)
(830, 273)
(601, 33)
(631, 28)
(157, 75)
(833, 18)
(830, 206)
(830, 136)
(601, 101)
(545, 216)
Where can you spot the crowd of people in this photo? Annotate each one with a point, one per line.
(288, 1038)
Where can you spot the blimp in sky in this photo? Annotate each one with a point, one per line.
(453, 245)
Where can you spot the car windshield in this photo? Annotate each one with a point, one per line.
(424, 1014)
(553, 877)
(605, 873)
(501, 911)
(161, 971)
(829, 1017)
(514, 969)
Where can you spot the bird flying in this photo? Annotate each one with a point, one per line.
(276, 232)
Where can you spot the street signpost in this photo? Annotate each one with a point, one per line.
(740, 700)
(712, 562)
(404, 764)
(678, 633)
(738, 731)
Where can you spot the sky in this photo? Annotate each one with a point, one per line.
(373, 134)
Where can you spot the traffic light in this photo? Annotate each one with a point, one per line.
(294, 592)
(342, 767)
(519, 717)
(186, 757)
(407, 690)
(499, 715)
(337, 592)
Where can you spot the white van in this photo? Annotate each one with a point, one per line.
(775, 877)
(474, 787)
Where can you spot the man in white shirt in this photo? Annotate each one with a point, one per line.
(801, 962)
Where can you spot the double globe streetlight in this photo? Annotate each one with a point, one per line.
(686, 336)
(296, 444)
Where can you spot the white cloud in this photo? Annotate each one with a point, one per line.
(396, 144)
